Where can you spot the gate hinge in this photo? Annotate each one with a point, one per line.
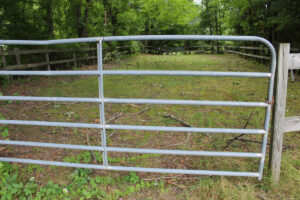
(272, 102)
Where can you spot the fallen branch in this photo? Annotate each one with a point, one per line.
(180, 143)
(114, 118)
(238, 138)
(258, 142)
(110, 134)
(230, 141)
(45, 105)
(129, 114)
(122, 115)
(145, 109)
(184, 123)
(247, 140)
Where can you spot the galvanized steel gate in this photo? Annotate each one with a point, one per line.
(102, 100)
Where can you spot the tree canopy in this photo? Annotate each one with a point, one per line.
(276, 20)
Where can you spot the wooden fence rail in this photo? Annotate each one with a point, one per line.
(260, 53)
(17, 53)
(282, 124)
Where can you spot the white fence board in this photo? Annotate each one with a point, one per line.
(294, 61)
(291, 124)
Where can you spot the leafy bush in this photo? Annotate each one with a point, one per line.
(82, 185)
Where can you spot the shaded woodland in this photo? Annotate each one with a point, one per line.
(275, 20)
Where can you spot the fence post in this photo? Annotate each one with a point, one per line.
(48, 61)
(75, 60)
(3, 58)
(17, 53)
(292, 74)
(262, 54)
(279, 112)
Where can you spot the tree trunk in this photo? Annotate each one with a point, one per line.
(85, 19)
(78, 16)
(111, 15)
(49, 18)
(216, 21)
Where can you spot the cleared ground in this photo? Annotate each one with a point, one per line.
(113, 185)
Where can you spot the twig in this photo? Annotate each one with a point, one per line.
(247, 140)
(262, 197)
(145, 109)
(114, 117)
(129, 114)
(258, 142)
(111, 134)
(122, 115)
(230, 141)
(45, 105)
(180, 143)
(184, 123)
(248, 120)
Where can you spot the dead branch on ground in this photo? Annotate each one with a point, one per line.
(230, 141)
(125, 115)
(184, 123)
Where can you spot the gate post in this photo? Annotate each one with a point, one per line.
(279, 112)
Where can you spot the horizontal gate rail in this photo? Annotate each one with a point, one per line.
(138, 72)
(101, 100)
(136, 101)
(138, 128)
(187, 102)
(133, 150)
(140, 37)
(136, 169)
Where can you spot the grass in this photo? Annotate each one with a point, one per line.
(115, 185)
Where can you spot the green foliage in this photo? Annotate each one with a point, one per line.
(276, 20)
(30, 188)
(49, 191)
(132, 178)
(43, 19)
(3, 130)
(86, 157)
(10, 187)
(82, 186)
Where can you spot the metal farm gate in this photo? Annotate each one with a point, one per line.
(102, 100)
